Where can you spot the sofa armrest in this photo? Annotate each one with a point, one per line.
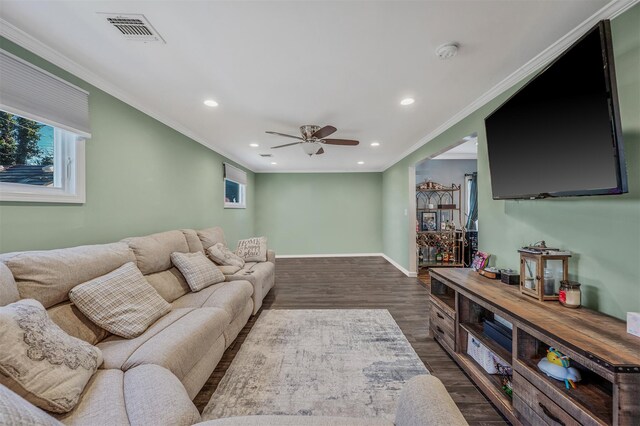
(425, 401)
(271, 256)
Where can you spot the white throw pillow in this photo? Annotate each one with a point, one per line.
(253, 249)
(223, 256)
(122, 301)
(39, 361)
(197, 269)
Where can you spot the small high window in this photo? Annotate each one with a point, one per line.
(235, 187)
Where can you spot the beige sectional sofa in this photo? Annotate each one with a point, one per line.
(186, 344)
(152, 378)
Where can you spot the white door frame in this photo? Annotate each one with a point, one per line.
(413, 261)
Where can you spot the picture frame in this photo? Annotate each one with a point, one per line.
(429, 221)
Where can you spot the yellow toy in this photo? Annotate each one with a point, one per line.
(556, 365)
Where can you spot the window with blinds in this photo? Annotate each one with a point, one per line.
(44, 122)
(235, 187)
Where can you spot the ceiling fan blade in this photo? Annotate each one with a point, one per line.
(288, 144)
(324, 132)
(320, 151)
(349, 142)
(285, 135)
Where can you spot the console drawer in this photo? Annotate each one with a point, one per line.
(442, 327)
(530, 399)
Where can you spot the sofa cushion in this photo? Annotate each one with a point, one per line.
(122, 302)
(300, 421)
(211, 236)
(229, 269)
(41, 362)
(253, 249)
(197, 269)
(102, 402)
(69, 318)
(261, 275)
(154, 396)
(221, 255)
(47, 276)
(170, 284)
(8, 289)
(153, 252)
(193, 241)
(15, 410)
(176, 341)
(230, 296)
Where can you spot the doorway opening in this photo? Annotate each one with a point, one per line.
(446, 207)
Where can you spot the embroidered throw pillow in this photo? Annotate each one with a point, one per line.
(253, 249)
(122, 301)
(223, 256)
(39, 361)
(197, 269)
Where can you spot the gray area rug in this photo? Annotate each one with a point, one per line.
(321, 362)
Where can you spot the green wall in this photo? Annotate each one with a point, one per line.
(602, 231)
(320, 213)
(141, 177)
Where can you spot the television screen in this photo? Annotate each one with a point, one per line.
(560, 134)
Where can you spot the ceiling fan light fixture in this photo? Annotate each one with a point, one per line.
(407, 101)
(254, 145)
(210, 103)
(361, 162)
(311, 148)
(375, 143)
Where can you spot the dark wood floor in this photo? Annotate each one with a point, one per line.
(365, 282)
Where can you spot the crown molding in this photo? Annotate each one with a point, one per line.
(37, 47)
(265, 171)
(609, 11)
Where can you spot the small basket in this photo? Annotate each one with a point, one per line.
(483, 356)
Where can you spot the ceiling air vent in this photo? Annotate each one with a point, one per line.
(266, 155)
(134, 27)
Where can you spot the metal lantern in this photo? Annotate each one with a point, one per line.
(541, 273)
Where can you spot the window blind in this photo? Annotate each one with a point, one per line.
(234, 174)
(33, 93)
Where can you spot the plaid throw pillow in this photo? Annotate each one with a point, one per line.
(253, 249)
(122, 302)
(223, 256)
(199, 271)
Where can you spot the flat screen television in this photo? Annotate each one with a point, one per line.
(560, 134)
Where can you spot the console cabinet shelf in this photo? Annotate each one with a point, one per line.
(607, 358)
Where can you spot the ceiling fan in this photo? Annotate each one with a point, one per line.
(313, 137)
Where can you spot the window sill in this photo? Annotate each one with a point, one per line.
(234, 206)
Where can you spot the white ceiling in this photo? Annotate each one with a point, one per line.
(276, 65)
(467, 150)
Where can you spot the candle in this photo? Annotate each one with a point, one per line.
(570, 294)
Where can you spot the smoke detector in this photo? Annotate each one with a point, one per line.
(447, 50)
(133, 27)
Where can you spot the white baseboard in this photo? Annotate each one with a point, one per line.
(400, 267)
(387, 258)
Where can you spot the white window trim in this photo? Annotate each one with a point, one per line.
(243, 195)
(69, 158)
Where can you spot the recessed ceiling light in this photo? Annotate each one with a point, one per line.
(210, 103)
(407, 101)
(254, 145)
(375, 143)
(273, 163)
(361, 162)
